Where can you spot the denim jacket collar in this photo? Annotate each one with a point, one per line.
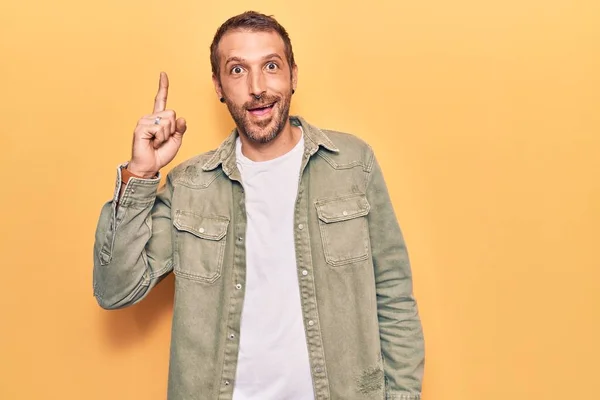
(225, 153)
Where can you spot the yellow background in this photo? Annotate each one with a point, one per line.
(485, 117)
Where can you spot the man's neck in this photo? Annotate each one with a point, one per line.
(282, 144)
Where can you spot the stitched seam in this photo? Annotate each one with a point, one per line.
(329, 160)
(155, 274)
(180, 181)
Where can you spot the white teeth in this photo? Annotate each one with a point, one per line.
(264, 107)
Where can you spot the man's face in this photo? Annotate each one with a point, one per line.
(254, 63)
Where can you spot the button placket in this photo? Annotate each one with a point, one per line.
(307, 291)
(236, 299)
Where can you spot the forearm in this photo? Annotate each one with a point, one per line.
(132, 250)
(401, 335)
(400, 330)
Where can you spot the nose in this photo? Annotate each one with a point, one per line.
(256, 85)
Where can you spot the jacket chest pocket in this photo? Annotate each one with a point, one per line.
(344, 229)
(200, 245)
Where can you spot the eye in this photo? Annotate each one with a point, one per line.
(236, 70)
(271, 66)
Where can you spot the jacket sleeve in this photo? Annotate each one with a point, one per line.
(132, 248)
(400, 330)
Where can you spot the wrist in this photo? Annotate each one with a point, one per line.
(127, 173)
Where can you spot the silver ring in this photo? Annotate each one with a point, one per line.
(157, 120)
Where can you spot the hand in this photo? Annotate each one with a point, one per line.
(157, 137)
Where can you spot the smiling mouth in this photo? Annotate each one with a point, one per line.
(262, 110)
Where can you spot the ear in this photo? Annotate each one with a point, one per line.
(218, 87)
(294, 76)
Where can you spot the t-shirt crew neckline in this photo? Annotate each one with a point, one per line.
(241, 158)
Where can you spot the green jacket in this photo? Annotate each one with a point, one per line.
(363, 330)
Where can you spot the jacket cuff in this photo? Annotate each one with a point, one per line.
(137, 192)
(401, 396)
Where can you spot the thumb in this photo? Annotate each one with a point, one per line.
(169, 149)
(180, 126)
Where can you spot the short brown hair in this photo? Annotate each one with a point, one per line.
(253, 22)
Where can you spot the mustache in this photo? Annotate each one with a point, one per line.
(264, 101)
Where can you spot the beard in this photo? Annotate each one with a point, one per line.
(264, 130)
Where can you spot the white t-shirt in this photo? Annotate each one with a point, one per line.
(273, 361)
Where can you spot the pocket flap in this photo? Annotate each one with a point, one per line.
(342, 208)
(211, 228)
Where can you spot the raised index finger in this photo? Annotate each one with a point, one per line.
(160, 102)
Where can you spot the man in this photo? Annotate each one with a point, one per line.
(292, 277)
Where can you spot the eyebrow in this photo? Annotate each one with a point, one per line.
(242, 61)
